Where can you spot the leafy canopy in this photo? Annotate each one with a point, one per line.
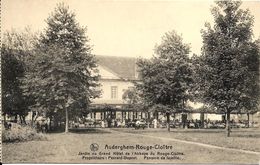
(228, 69)
(15, 52)
(63, 73)
(167, 77)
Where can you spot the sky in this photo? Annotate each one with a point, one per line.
(124, 27)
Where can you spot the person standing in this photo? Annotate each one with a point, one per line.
(102, 124)
(155, 123)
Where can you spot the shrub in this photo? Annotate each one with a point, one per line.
(19, 133)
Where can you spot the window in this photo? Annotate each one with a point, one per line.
(113, 92)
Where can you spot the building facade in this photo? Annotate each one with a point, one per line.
(117, 75)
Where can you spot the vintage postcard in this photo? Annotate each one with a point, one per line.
(127, 81)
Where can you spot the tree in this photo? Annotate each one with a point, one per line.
(229, 64)
(167, 77)
(134, 99)
(131, 96)
(16, 48)
(12, 70)
(63, 74)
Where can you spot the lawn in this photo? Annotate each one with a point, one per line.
(65, 148)
(247, 139)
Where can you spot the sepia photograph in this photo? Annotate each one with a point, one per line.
(130, 81)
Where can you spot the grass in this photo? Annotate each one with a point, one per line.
(65, 148)
(247, 139)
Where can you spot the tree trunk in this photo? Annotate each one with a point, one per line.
(24, 121)
(202, 120)
(21, 119)
(149, 117)
(184, 120)
(168, 121)
(67, 121)
(228, 128)
(15, 118)
(32, 119)
(35, 118)
(4, 118)
(247, 120)
(50, 123)
(252, 120)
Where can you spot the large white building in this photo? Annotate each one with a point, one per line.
(117, 75)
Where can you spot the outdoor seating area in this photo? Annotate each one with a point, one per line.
(153, 123)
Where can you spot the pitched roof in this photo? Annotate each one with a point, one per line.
(124, 67)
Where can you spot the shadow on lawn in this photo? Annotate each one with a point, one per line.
(246, 135)
(79, 130)
(199, 131)
(88, 131)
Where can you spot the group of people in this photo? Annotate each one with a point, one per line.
(151, 123)
(42, 126)
(127, 123)
(113, 123)
(201, 123)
